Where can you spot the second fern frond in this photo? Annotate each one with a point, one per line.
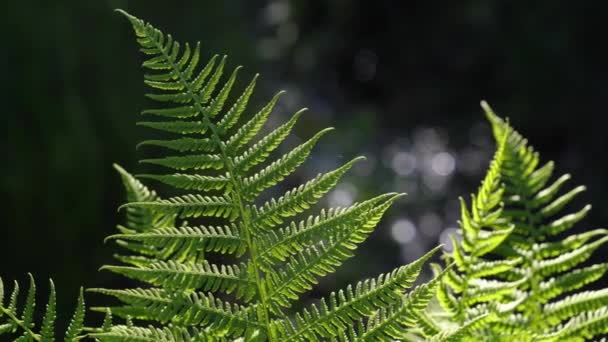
(526, 269)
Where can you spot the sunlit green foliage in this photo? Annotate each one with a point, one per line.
(516, 261)
(271, 254)
(234, 271)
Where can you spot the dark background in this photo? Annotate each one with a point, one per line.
(400, 80)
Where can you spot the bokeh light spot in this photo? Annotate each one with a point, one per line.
(403, 231)
(343, 195)
(443, 164)
(403, 163)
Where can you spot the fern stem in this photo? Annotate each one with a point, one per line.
(20, 323)
(236, 193)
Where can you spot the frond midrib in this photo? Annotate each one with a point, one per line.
(526, 199)
(236, 182)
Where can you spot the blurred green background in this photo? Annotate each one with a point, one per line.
(400, 80)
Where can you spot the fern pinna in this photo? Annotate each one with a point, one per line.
(18, 320)
(275, 260)
(534, 265)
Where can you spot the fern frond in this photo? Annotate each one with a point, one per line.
(17, 320)
(427, 326)
(447, 300)
(223, 167)
(536, 262)
(482, 290)
(564, 223)
(30, 303)
(233, 115)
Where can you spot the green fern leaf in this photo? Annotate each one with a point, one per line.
(23, 326)
(267, 263)
(534, 265)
